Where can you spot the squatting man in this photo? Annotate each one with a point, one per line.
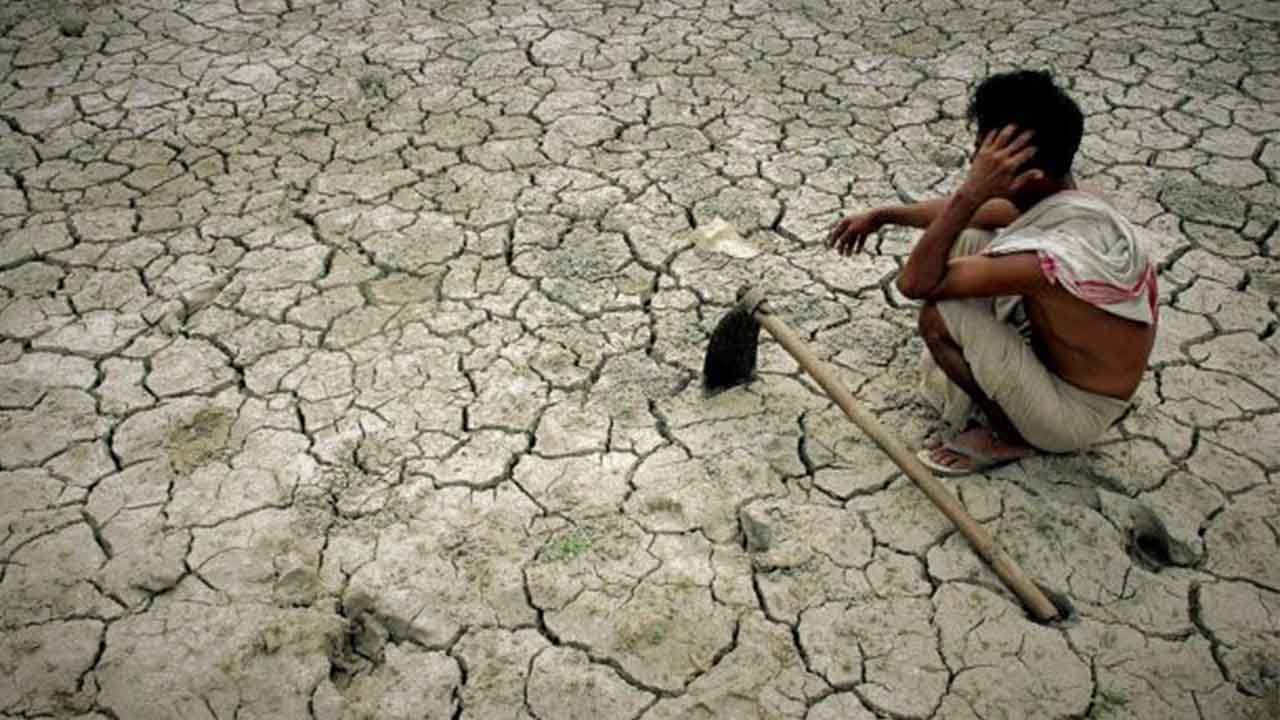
(1039, 300)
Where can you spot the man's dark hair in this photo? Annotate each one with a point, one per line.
(1032, 101)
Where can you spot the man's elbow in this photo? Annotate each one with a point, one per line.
(912, 289)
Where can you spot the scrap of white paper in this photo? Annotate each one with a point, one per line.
(722, 237)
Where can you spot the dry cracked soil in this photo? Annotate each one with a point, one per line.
(350, 353)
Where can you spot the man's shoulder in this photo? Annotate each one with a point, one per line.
(1074, 212)
(1082, 202)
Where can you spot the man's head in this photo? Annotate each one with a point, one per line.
(1031, 100)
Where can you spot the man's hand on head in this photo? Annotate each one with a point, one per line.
(994, 172)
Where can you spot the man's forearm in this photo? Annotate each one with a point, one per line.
(993, 214)
(927, 264)
(917, 215)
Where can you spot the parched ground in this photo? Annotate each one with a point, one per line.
(350, 353)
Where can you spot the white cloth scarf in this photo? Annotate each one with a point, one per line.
(1088, 248)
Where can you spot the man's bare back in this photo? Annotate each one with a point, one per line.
(1087, 346)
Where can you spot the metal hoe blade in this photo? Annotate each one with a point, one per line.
(731, 354)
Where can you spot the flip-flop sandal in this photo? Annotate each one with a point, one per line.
(938, 469)
(981, 461)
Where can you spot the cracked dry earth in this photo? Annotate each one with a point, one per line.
(350, 365)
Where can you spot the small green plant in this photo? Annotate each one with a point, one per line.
(1047, 529)
(663, 505)
(372, 85)
(570, 546)
(72, 26)
(640, 633)
(1108, 702)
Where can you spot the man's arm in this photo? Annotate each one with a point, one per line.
(851, 233)
(927, 264)
(995, 213)
(929, 275)
(991, 276)
(992, 174)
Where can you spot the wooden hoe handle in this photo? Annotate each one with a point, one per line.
(985, 545)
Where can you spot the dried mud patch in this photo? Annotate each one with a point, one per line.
(200, 440)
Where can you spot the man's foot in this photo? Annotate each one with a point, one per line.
(940, 434)
(972, 451)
